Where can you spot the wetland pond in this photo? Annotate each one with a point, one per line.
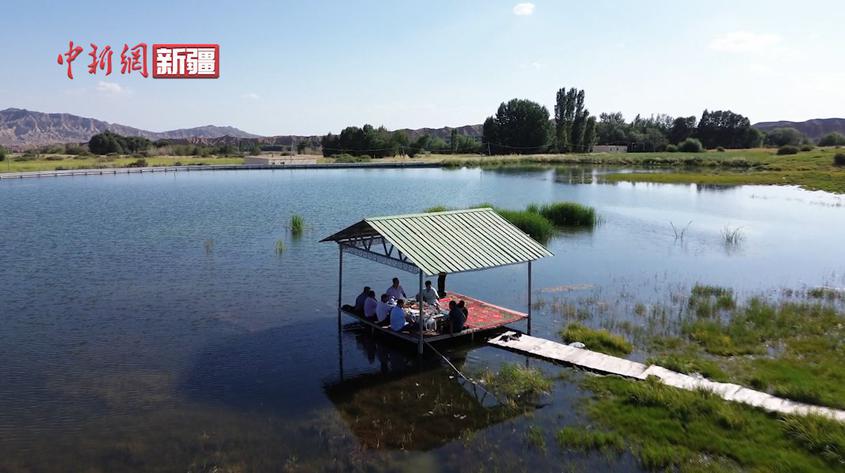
(147, 322)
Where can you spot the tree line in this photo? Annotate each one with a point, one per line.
(381, 143)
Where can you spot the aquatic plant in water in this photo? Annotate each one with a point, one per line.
(280, 247)
(297, 224)
(732, 237)
(598, 340)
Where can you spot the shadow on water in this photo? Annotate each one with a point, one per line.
(418, 405)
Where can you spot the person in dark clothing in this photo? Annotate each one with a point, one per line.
(457, 317)
(462, 305)
(359, 301)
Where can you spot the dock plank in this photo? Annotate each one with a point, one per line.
(607, 364)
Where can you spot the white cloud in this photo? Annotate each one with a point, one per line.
(250, 96)
(110, 88)
(523, 9)
(744, 42)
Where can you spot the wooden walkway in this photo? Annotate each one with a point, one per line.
(607, 364)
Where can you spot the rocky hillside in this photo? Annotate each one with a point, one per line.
(814, 129)
(22, 128)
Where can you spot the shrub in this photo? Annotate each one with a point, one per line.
(832, 139)
(567, 213)
(2, 153)
(436, 208)
(598, 340)
(138, 163)
(690, 145)
(671, 148)
(839, 159)
(720, 149)
(54, 158)
(788, 149)
(534, 224)
(807, 148)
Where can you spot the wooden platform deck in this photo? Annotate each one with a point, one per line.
(482, 317)
(606, 364)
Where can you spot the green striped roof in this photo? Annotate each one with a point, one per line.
(452, 241)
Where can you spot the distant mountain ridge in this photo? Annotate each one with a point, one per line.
(24, 128)
(20, 128)
(814, 129)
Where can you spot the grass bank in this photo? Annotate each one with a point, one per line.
(65, 162)
(809, 169)
(668, 428)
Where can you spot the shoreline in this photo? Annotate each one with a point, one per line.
(210, 167)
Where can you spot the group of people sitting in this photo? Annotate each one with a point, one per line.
(389, 309)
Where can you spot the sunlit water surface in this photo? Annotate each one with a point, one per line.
(147, 322)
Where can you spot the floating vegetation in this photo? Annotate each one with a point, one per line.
(297, 224)
(436, 208)
(517, 382)
(280, 247)
(208, 245)
(732, 237)
(596, 339)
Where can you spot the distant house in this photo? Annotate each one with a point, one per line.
(279, 160)
(610, 149)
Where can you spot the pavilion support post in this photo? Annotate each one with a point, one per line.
(339, 285)
(421, 319)
(529, 298)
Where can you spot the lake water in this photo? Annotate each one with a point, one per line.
(147, 323)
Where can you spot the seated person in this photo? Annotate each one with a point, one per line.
(462, 305)
(395, 290)
(457, 317)
(398, 318)
(359, 301)
(370, 306)
(383, 311)
(429, 295)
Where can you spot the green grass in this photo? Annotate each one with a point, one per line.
(579, 438)
(597, 340)
(567, 214)
(517, 382)
(534, 224)
(534, 436)
(792, 349)
(688, 363)
(51, 162)
(539, 222)
(297, 224)
(813, 169)
(667, 428)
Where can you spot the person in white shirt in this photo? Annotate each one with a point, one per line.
(429, 295)
(395, 291)
(398, 318)
(370, 306)
(383, 311)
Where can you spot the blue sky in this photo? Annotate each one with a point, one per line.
(311, 67)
